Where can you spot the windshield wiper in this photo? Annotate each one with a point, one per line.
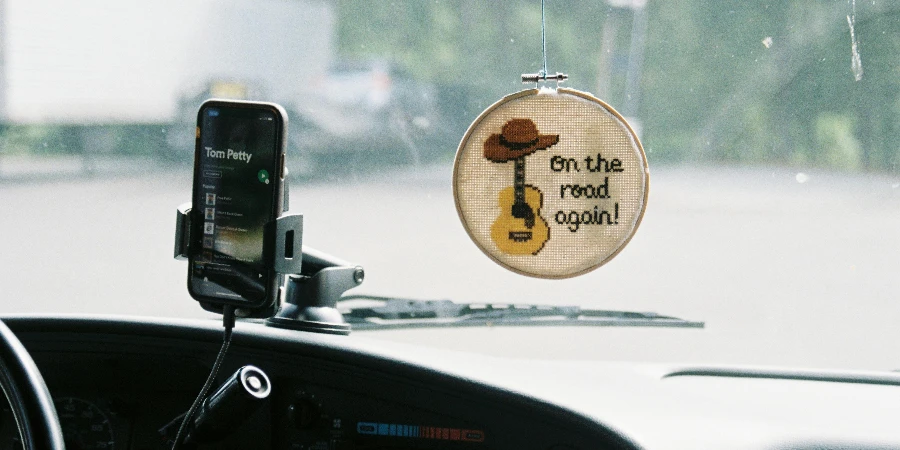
(396, 313)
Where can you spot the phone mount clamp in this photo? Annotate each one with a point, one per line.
(313, 283)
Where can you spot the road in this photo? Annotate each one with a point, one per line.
(782, 271)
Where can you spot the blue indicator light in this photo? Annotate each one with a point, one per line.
(213, 112)
(415, 431)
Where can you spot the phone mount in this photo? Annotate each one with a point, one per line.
(313, 281)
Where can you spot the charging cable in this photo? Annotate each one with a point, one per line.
(228, 322)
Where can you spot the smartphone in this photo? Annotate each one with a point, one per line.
(238, 190)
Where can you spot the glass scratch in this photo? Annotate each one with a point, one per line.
(855, 60)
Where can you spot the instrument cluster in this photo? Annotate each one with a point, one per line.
(87, 424)
(113, 401)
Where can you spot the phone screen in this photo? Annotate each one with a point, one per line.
(236, 184)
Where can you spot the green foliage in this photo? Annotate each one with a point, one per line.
(36, 139)
(836, 141)
(721, 81)
(711, 89)
(137, 140)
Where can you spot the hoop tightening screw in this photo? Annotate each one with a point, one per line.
(535, 77)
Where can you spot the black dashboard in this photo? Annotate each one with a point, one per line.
(117, 382)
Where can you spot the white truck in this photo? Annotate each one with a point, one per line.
(129, 72)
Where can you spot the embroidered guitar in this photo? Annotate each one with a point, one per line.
(520, 229)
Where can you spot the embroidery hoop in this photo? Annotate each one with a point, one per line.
(606, 256)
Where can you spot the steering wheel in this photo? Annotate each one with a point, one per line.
(27, 394)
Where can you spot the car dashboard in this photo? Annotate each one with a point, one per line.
(116, 384)
(118, 381)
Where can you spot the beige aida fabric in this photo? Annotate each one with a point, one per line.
(550, 183)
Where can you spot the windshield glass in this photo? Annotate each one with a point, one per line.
(771, 130)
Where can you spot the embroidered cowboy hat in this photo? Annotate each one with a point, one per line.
(519, 137)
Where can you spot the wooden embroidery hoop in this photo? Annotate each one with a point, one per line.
(562, 91)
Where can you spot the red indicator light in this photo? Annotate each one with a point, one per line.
(449, 434)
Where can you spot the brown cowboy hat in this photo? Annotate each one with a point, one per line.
(519, 137)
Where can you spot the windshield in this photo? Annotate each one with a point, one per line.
(771, 131)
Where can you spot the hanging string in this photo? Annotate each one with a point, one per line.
(543, 40)
(542, 75)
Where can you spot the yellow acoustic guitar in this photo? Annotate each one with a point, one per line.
(520, 229)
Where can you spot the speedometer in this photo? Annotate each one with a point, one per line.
(84, 424)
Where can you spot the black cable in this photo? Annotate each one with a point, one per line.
(228, 322)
